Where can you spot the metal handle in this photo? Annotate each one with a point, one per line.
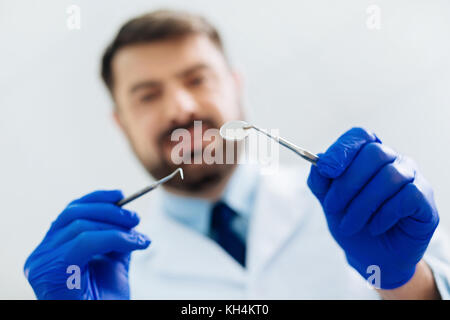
(305, 154)
(149, 188)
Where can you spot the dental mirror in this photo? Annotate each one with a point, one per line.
(235, 130)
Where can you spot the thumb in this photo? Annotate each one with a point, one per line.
(318, 183)
(341, 153)
(108, 196)
(91, 243)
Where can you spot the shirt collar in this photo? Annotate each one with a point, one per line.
(195, 213)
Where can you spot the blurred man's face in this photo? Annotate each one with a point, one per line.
(166, 85)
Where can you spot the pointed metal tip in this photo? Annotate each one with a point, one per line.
(181, 173)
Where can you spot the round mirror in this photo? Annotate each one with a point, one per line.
(234, 130)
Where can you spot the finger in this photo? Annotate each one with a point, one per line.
(340, 154)
(88, 244)
(101, 212)
(78, 226)
(389, 181)
(412, 208)
(317, 183)
(108, 196)
(372, 157)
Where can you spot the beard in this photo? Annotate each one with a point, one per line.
(198, 177)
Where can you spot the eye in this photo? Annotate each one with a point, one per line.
(196, 81)
(149, 97)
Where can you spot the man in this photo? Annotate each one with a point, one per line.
(227, 231)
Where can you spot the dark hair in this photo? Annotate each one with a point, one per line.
(156, 26)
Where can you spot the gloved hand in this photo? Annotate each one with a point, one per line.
(378, 207)
(93, 235)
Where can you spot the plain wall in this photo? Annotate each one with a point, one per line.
(312, 68)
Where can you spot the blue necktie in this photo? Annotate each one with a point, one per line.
(222, 232)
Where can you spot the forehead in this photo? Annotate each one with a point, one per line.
(162, 59)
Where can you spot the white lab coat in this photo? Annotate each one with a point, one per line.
(290, 254)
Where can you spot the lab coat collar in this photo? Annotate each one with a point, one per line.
(241, 189)
(275, 221)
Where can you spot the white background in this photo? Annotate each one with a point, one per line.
(311, 68)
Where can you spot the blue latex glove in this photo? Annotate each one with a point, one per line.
(378, 207)
(95, 235)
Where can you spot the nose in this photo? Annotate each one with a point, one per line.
(181, 106)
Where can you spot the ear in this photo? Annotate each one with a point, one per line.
(117, 118)
(239, 83)
(238, 80)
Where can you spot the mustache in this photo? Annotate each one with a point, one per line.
(166, 134)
